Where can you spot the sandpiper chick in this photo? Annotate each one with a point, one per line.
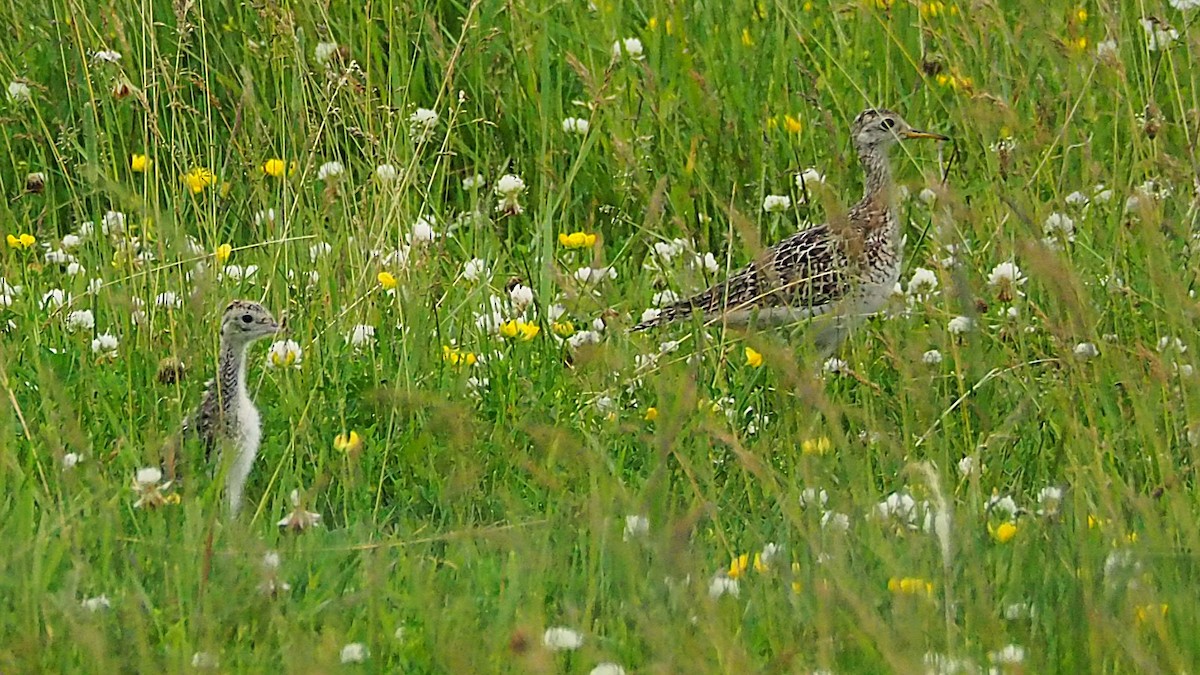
(226, 415)
(851, 263)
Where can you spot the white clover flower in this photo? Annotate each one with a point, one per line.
(966, 465)
(355, 652)
(150, 475)
(594, 275)
(607, 669)
(636, 526)
(832, 520)
(74, 269)
(1002, 504)
(54, 298)
(474, 182)
(521, 296)
(96, 604)
(923, 282)
(1077, 199)
(960, 324)
(835, 366)
(631, 47)
(777, 203)
(1101, 194)
(899, 507)
(298, 519)
(205, 661)
(1059, 225)
(386, 173)
(105, 344)
(769, 553)
(113, 223)
(324, 51)
(650, 314)
(422, 230)
(71, 241)
(584, 337)
(19, 92)
(422, 123)
(1158, 34)
(813, 497)
(168, 299)
(1004, 145)
(81, 319)
(330, 170)
(575, 125)
(1050, 497)
(1008, 655)
(708, 263)
(264, 217)
(58, 257)
(559, 639)
(1166, 343)
(361, 335)
(71, 460)
(1184, 5)
(927, 196)
(285, 353)
(723, 585)
(1086, 350)
(809, 178)
(1006, 274)
(931, 358)
(475, 269)
(106, 56)
(1106, 49)
(318, 250)
(509, 189)
(237, 273)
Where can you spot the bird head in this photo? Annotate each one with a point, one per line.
(878, 128)
(246, 321)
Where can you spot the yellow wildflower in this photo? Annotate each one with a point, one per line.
(350, 442)
(910, 586)
(792, 124)
(883, 4)
(1003, 533)
(753, 358)
(198, 179)
(796, 585)
(746, 39)
(652, 24)
(519, 329)
(772, 123)
(1095, 522)
(1079, 44)
(738, 567)
(816, 446)
(576, 240)
(275, 168)
(138, 163)
(651, 414)
(457, 357)
(387, 280)
(759, 565)
(21, 242)
(1081, 14)
(173, 499)
(563, 329)
(224, 251)
(1144, 613)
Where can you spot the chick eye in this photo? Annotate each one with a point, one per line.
(887, 123)
(246, 318)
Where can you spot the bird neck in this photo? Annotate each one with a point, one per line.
(878, 171)
(231, 373)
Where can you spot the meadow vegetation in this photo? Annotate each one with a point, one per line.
(468, 464)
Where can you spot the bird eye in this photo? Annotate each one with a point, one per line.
(246, 318)
(887, 123)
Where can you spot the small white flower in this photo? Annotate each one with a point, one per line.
(1005, 145)
(1166, 343)
(650, 314)
(355, 652)
(97, 603)
(386, 173)
(923, 282)
(898, 506)
(927, 196)
(521, 296)
(931, 358)
(168, 299)
(71, 241)
(1049, 498)
(147, 476)
(106, 56)
(422, 123)
(19, 92)
(475, 269)
(723, 585)
(105, 344)
(1184, 5)
(1086, 350)
(284, 353)
(113, 223)
(75, 269)
(1008, 655)
(777, 203)
(330, 170)
(71, 460)
(297, 520)
(708, 263)
(832, 520)
(835, 366)
(361, 335)
(807, 180)
(1077, 198)
(769, 552)
(636, 526)
(813, 497)
(80, 320)
(1006, 274)
(583, 337)
(966, 465)
(473, 182)
(575, 125)
(631, 47)
(319, 250)
(237, 273)
(664, 298)
(509, 189)
(205, 661)
(422, 230)
(1158, 34)
(1059, 225)
(1003, 504)
(94, 285)
(607, 669)
(1106, 49)
(559, 639)
(1101, 194)
(960, 324)
(55, 298)
(594, 275)
(324, 51)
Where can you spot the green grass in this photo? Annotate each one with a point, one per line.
(476, 517)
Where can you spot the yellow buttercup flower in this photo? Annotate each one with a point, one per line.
(792, 124)
(576, 240)
(1003, 533)
(910, 586)
(347, 442)
(816, 446)
(457, 357)
(21, 242)
(754, 359)
(1144, 613)
(1080, 44)
(139, 163)
(651, 414)
(563, 329)
(1081, 14)
(199, 179)
(387, 280)
(796, 585)
(746, 39)
(738, 567)
(224, 251)
(275, 168)
(523, 330)
(759, 565)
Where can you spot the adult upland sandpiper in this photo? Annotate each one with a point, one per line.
(849, 264)
(227, 418)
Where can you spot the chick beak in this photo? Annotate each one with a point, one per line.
(914, 133)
